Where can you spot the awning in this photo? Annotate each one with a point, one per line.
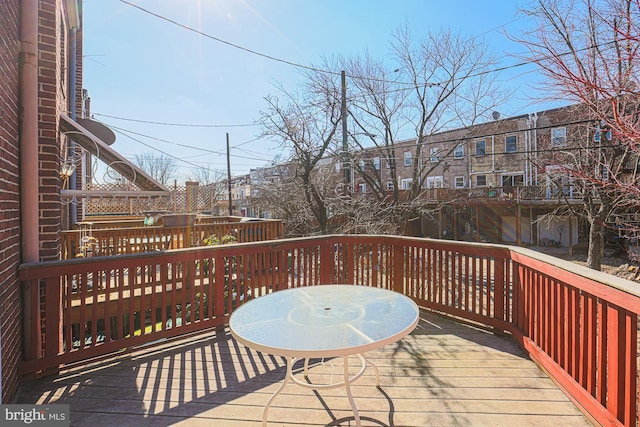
(108, 155)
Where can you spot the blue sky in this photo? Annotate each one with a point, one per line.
(142, 68)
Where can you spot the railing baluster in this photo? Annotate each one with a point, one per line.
(582, 331)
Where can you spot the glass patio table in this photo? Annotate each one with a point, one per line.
(324, 321)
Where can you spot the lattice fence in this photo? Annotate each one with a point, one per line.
(180, 199)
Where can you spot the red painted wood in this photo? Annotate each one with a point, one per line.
(614, 368)
(601, 381)
(629, 388)
(575, 392)
(565, 319)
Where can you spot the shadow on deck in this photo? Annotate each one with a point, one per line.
(444, 374)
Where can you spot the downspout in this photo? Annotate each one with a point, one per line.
(534, 147)
(28, 146)
(74, 24)
(527, 159)
(29, 209)
(72, 113)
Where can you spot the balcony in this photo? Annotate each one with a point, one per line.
(530, 194)
(141, 338)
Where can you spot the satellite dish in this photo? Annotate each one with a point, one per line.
(98, 129)
(495, 115)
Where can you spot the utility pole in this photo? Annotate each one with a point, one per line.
(229, 177)
(345, 141)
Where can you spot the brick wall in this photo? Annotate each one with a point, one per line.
(10, 300)
(52, 84)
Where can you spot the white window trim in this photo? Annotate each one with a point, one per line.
(405, 184)
(511, 175)
(435, 181)
(433, 154)
(515, 149)
(455, 152)
(486, 181)
(564, 137)
(455, 180)
(408, 158)
(484, 141)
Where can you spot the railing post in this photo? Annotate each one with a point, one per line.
(53, 317)
(398, 268)
(32, 320)
(326, 264)
(499, 289)
(219, 286)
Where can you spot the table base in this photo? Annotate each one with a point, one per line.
(346, 383)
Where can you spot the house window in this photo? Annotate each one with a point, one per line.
(604, 132)
(435, 182)
(459, 181)
(389, 185)
(558, 137)
(481, 180)
(512, 180)
(376, 163)
(481, 147)
(362, 188)
(559, 181)
(405, 184)
(407, 158)
(511, 144)
(458, 152)
(434, 154)
(388, 164)
(362, 165)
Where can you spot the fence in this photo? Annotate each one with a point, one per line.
(581, 326)
(179, 199)
(119, 241)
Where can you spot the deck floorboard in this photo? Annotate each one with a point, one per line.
(444, 374)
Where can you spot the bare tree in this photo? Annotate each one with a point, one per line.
(438, 83)
(433, 85)
(161, 168)
(589, 52)
(206, 175)
(307, 123)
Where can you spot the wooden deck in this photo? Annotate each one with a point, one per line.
(444, 374)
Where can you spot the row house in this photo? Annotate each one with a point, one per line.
(498, 181)
(40, 82)
(237, 192)
(47, 140)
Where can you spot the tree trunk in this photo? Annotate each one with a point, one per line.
(594, 255)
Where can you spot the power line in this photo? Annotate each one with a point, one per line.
(175, 124)
(295, 64)
(264, 55)
(125, 132)
(156, 149)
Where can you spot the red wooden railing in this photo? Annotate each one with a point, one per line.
(118, 241)
(581, 326)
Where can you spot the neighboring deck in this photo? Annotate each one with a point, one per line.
(444, 374)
